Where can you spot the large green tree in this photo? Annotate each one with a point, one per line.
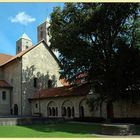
(97, 38)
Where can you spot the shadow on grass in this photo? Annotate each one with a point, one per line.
(65, 127)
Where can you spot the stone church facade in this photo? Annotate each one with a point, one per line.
(25, 73)
(30, 85)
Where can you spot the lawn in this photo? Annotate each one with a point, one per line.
(51, 130)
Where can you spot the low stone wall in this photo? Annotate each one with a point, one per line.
(105, 129)
(21, 121)
(28, 121)
(118, 129)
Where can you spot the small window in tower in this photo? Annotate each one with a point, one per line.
(18, 48)
(4, 95)
(41, 34)
(36, 105)
(41, 28)
(49, 83)
(27, 45)
(35, 82)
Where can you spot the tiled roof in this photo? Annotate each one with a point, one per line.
(64, 82)
(4, 84)
(4, 58)
(17, 56)
(62, 92)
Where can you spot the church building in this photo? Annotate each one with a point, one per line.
(33, 71)
(33, 67)
(30, 85)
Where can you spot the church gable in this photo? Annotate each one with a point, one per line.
(39, 66)
(41, 57)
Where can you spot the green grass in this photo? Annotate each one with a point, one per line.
(52, 130)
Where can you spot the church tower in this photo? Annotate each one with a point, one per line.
(23, 43)
(42, 32)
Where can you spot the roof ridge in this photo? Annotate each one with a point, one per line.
(27, 50)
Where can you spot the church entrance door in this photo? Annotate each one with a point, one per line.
(110, 113)
(15, 109)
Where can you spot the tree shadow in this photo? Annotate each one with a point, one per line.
(65, 127)
(29, 89)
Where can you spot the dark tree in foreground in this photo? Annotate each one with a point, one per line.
(97, 38)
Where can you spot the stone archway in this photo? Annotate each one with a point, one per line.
(84, 110)
(52, 110)
(110, 114)
(67, 109)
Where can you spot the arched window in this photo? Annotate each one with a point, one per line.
(64, 111)
(73, 111)
(110, 113)
(68, 112)
(49, 111)
(49, 83)
(56, 111)
(18, 48)
(53, 111)
(35, 82)
(41, 32)
(81, 111)
(3, 95)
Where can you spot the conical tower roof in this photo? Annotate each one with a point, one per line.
(25, 36)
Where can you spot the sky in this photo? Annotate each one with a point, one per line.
(19, 18)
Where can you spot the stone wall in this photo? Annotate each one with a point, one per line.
(37, 63)
(5, 104)
(12, 74)
(1, 74)
(123, 109)
(60, 102)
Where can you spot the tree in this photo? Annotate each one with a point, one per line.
(136, 31)
(97, 38)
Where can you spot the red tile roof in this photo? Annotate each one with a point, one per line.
(4, 58)
(62, 92)
(4, 84)
(64, 82)
(17, 56)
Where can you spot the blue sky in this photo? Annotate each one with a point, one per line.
(17, 18)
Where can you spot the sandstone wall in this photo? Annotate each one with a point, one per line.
(37, 63)
(12, 74)
(5, 104)
(1, 74)
(123, 109)
(63, 101)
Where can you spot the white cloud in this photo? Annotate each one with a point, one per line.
(22, 18)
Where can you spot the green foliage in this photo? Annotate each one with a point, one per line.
(98, 38)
